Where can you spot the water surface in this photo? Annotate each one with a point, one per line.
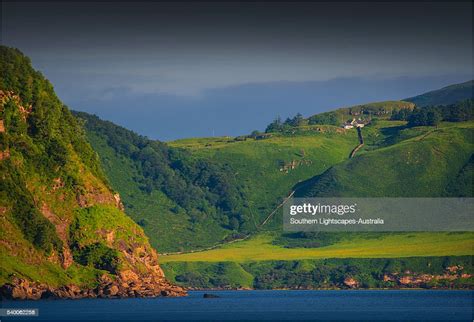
(263, 306)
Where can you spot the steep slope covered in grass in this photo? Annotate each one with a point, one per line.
(424, 165)
(270, 167)
(446, 95)
(63, 232)
(256, 173)
(168, 191)
(395, 161)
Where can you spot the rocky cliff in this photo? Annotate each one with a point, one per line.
(63, 232)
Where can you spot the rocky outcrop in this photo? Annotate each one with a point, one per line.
(61, 225)
(22, 289)
(6, 96)
(118, 202)
(351, 282)
(412, 279)
(293, 164)
(46, 229)
(4, 154)
(95, 197)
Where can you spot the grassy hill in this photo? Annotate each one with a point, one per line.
(446, 95)
(313, 160)
(426, 162)
(379, 110)
(395, 161)
(162, 218)
(270, 167)
(63, 222)
(281, 160)
(60, 222)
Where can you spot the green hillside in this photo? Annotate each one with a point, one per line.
(454, 272)
(426, 164)
(396, 161)
(408, 153)
(160, 215)
(446, 95)
(363, 112)
(262, 172)
(271, 166)
(215, 202)
(61, 224)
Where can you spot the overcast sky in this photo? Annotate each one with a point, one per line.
(155, 67)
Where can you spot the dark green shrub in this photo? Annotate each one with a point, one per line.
(98, 256)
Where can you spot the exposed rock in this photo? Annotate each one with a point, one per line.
(111, 290)
(128, 276)
(454, 268)
(388, 278)
(93, 196)
(66, 257)
(210, 296)
(57, 184)
(4, 154)
(412, 279)
(61, 226)
(22, 289)
(118, 202)
(293, 164)
(351, 282)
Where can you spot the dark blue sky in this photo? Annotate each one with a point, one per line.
(178, 70)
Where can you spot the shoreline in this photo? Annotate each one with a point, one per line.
(222, 291)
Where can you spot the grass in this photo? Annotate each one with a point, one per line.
(395, 161)
(260, 248)
(423, 164)
(314, 149)
(154, 211)
(94, 223)
(379, 109)
(319, 273)
(47, 272)
(233, 273)
(19, 258)
(446, 95)
(258, 163)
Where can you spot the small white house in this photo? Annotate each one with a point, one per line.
(354, 123)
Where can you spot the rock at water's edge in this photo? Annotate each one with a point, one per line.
(22, 289)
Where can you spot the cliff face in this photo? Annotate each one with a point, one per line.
(63, 232)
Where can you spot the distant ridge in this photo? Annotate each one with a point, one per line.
(446, 95)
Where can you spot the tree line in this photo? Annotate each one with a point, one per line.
(433, 115)
(199, 187)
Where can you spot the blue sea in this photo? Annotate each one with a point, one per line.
(387, 305)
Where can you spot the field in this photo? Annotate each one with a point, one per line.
(261, 264)
(394, 245)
